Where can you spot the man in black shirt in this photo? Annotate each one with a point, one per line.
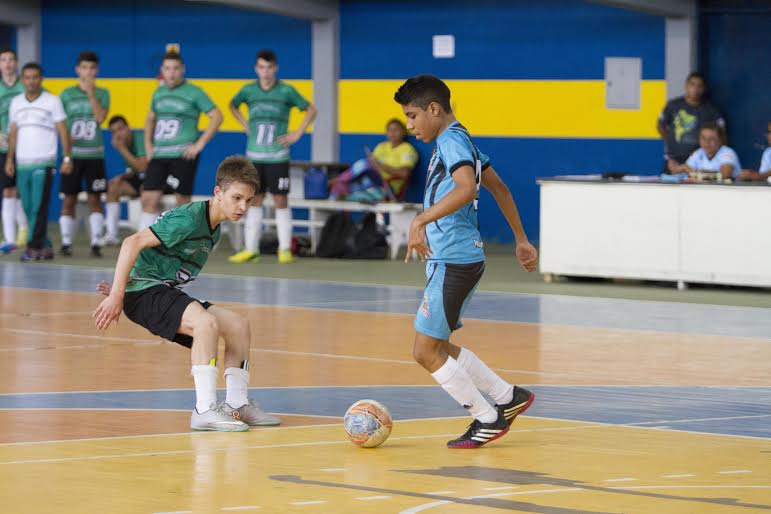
(680, 120)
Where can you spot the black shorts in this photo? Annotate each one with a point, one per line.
(159, 309)
(174, 173)
(274, 177)
(5, 180)
(92, 170)
(135, 180)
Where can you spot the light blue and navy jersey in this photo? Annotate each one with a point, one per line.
(454, 238)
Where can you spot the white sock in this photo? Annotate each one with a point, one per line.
(67, 224)
(253, 229)
(147, 219)
(485, 379)
(459, 385)
(21, 216)
(112, 219)
(284, 228)
(205, 378)
(237, 384)
(96, 223)
(9, 220)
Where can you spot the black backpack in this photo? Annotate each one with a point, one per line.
(338, 228)
(369, 242)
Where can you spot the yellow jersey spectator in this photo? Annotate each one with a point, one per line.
(395, 158)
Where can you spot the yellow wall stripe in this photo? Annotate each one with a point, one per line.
(514, 108)
(496, 108)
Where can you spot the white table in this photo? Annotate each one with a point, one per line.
(679, 232)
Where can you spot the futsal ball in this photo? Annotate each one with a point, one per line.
(368, 423)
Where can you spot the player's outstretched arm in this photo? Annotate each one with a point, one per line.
(464, 192)
(525, 252)
(110, 308)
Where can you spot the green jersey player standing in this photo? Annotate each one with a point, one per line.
(269, 102)
(172, 142)
(13, 214)
(155, 263)
(86, 106)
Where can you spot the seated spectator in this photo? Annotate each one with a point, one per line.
(680, 120)
(132, 148)
(712, 156)
(383, 175)
(395, 159)
(765, 163)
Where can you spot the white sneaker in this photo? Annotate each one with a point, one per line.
(252, 415)
(216, 419)
(110, 241)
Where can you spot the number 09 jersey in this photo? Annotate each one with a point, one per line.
(177, 111)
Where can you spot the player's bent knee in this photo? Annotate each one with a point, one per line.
(206, 321)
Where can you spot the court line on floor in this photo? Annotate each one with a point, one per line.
(252, 350)
(310, 306)
(584, 425)
(260, 447)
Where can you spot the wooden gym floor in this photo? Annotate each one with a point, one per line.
(640, 406)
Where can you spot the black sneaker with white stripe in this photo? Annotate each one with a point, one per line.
(479, 434)
(521, 401)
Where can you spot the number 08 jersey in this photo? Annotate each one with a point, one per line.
(186, 240)
(85, 133)
(177, 111)
(268, 118)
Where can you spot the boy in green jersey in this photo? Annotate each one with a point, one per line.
(153, 266)
(172, 142)
(269, 103)
(12, 213)
(131, 147)
(86, 106)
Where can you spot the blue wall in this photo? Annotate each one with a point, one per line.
(545, 40)
(732, 36)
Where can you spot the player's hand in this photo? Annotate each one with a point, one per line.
(118, 142)
(289, 138)
(527, 256)
(89, 86)
(417, 241)
(10, 167)
(66, 168)
(107, 312)
(104, 288)
(192, 151)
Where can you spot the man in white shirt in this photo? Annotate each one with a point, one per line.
(765, 163)
(712, 155)
(36, 117)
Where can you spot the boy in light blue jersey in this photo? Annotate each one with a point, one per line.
(446, 234)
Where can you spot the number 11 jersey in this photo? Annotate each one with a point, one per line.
(268, 118)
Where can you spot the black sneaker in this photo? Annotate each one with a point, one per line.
(479, 434)
(66, 251)
(522, 400)
(30, 255)
(96, 251)
(46, 253)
